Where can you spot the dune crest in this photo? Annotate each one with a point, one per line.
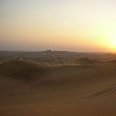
(20, 69)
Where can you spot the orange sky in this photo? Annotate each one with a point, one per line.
(74, 25)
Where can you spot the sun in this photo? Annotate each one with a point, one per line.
(113, 41)
(109, 42)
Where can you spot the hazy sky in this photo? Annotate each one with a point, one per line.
(74, 25)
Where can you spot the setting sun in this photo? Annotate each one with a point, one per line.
(113, 41)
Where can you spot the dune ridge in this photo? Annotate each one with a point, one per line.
(21, 69)
(86, 89)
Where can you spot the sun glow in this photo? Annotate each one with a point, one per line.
(111, 42)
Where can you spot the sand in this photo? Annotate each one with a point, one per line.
(82, 90)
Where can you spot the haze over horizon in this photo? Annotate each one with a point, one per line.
(68, 25)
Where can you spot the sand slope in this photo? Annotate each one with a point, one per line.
(20, 69)
(84, 90)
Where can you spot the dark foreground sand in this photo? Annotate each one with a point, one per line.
(57, 91)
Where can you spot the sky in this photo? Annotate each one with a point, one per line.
(70, 25)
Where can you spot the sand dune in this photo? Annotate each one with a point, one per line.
(63, 90)
(20, 69)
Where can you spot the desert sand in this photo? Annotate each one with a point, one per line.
(31, 89)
